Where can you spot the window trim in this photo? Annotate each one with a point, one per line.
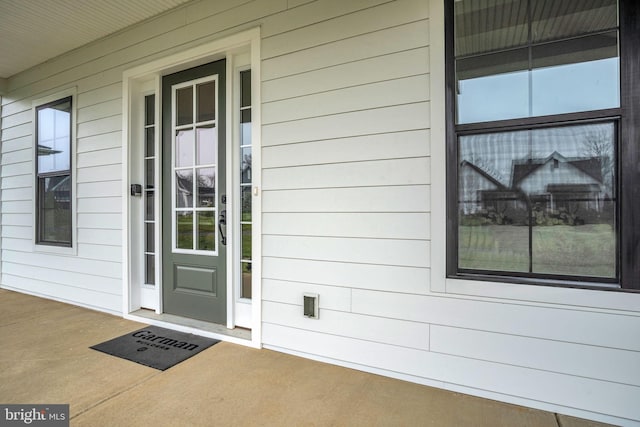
(37, 244)
(233, 47)
(193, 209)
(627, 119)
(629, 175)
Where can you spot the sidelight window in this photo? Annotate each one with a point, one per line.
(149, 190)
(245, 181)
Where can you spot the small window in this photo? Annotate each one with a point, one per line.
(53, 170)
(539, 149)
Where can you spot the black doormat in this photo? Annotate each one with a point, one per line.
(156, 347)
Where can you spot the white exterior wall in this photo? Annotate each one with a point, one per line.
(353, 209)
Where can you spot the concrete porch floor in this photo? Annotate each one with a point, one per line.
(45, 358)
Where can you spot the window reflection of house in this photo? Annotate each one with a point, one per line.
(569, 188)
(184, 190)
(474, 182)
(586, 197)
(560, 184)
(535, 176)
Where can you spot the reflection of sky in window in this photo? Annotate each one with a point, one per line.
(568, 88)
(184, 147)
(53, 140)
(582, 86)
(207, 145)
(245, 129)
(495, 97)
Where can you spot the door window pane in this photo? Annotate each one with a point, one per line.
(539, 201)
(246, 279)
(206, 231)
(246, 241)
(206, 101)
(184, 188)
(246, 203)
(149, 110)
(207, 145)
(245, 117)
(184, 230)
(149, 142)
(245, 88)
(149, 173)
(206, 187)
(184, 147)
(150, 270)
(150, 237)
(245, 130)
(184, 106)
(245, 167)
(149, 214)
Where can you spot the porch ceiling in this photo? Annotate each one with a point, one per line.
(33, 31)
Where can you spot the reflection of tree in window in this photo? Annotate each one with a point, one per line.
(246, 168)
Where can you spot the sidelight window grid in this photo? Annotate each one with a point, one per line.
(149, 190)
(245, 183)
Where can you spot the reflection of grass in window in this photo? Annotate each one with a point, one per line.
(56, 223)
(246, 241)
(494, 247)
(585, 250)
(185, 231)
(206, 231)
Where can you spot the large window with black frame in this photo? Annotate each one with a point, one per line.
(540, 134)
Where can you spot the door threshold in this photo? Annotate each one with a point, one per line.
(194, 326)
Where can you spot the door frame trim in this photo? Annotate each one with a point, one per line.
(151, 73)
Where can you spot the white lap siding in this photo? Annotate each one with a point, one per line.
(352, 179)
(347, 207)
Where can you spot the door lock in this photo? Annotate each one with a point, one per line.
(136, 190)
